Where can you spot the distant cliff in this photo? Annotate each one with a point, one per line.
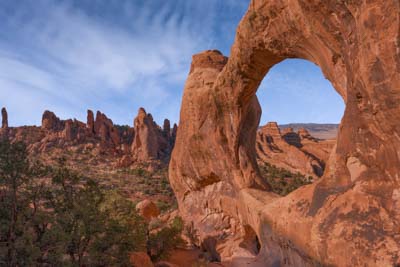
(318, 130)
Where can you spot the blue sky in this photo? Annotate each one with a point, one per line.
(118, 55)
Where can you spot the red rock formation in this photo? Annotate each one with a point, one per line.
(272, 131)
(167, 128)
(51, 122)
(286, 151)
(90, 122)
(351, 216)
(68, 131)
(105, 130)
(202, 175)
(100, 136)
(303, 133)
(4, 118)
(149, 142)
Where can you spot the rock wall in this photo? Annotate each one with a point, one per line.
(351, 216)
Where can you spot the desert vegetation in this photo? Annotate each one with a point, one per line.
(53, 216)
(281, 180)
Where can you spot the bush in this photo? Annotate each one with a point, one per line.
(283, 181)
(161, 243)
(53, 216)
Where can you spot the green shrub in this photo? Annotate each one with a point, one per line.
(55, 217)
(161, 243)
(52, 216)
(283, 181)
(163, 206)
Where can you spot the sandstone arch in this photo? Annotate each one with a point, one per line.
(351, 216)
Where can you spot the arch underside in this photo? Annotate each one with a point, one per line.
(350, 216)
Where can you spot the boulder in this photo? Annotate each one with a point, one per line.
(147, 209)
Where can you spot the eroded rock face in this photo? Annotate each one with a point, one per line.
(4, 118)
(205, 171)
(150, 141)
(90, 122)
(68, 131)
(286, 150)
(51, 122)
(104, 128)
(349, 217)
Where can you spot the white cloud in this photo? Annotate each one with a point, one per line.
(96, 54)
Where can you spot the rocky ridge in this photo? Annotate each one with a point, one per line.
(148, 142)
(324, 131)
(145, 142)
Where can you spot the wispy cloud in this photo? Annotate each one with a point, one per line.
(70, 55)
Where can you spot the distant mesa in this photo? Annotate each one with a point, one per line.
(317, 130)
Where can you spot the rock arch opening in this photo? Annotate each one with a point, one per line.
(296, 91)
(301, 112)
